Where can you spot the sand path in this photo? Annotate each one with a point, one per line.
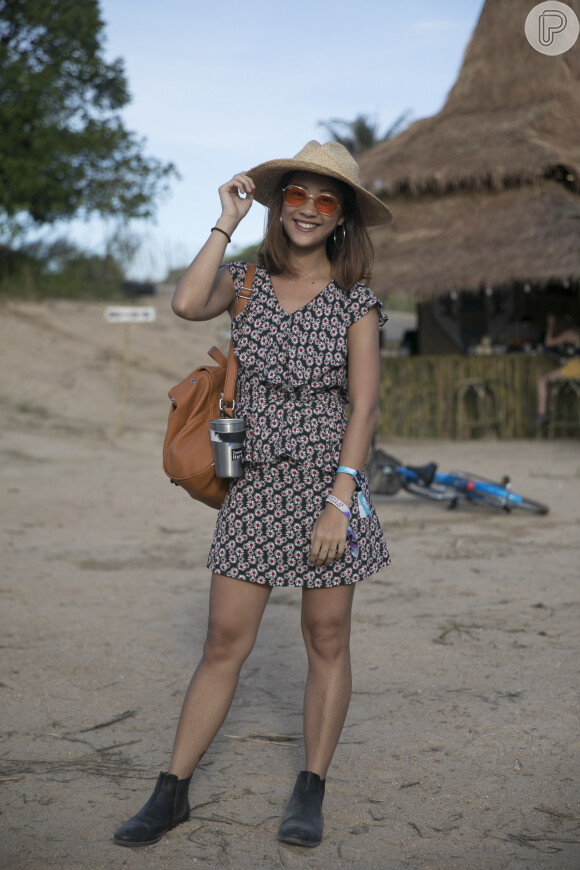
(461, 744)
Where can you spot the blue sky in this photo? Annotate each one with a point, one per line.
(218, 87)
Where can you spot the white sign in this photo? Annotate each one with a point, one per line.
(130, 314)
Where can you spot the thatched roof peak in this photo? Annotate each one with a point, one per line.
(512, 117)
(502, 71)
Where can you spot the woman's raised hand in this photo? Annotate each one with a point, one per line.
(236, 197)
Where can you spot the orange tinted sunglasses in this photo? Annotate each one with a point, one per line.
(325, 203)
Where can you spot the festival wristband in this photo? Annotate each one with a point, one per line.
(332, 499)
(363, 505)
(354, 547)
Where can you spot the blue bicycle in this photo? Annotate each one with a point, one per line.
(387, 475)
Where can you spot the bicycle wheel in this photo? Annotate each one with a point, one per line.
(527, 504)
(381, 469)
(433, 492)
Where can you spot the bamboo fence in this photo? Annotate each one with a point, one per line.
(420, 396)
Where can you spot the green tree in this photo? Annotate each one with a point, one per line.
(362, 133)
(59, 268)
(64, 150)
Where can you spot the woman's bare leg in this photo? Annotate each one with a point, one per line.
(544, 382)
(235, 612)
(326, 617)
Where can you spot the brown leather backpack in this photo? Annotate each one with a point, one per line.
(205, 394)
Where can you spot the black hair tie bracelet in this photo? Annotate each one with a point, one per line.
(229, 238)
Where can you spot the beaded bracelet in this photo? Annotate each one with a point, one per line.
(228, 237)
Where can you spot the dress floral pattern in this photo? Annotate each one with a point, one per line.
(292, 390)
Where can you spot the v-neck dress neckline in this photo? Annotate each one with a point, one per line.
(302, 307)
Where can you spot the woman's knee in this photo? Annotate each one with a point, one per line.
(327, 640)
(235, 612)
(225, 644)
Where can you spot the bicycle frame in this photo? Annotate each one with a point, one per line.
(455, 485)
(387, 475)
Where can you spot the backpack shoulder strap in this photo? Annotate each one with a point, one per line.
(227, 402)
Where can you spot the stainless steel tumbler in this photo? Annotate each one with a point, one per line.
(227, 439)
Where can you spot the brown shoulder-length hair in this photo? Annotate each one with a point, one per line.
(351, 262)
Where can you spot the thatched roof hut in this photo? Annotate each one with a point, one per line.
(486, 192)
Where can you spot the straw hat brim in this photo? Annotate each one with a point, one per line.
(268, 176)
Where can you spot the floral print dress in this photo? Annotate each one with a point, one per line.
(292, 390)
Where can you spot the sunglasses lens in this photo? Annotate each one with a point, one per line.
(294, 196)
(326, 204)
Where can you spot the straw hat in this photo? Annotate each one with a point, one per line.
(330, 159)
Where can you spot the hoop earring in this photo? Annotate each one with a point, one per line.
(336, 245)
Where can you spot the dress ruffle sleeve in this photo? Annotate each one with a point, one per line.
(360, 301)
(237, 270)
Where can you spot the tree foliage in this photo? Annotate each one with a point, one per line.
(64, 149)
(60, 269)
(362, 134)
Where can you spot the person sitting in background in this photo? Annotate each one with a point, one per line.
(567, 342)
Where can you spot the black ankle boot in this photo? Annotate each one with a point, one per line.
(167, 807)
(303, 821)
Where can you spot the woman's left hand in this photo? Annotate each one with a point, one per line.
(328, 536)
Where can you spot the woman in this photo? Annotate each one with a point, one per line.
(300, 515)
(565, 339)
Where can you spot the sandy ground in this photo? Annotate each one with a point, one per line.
(461, 744)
